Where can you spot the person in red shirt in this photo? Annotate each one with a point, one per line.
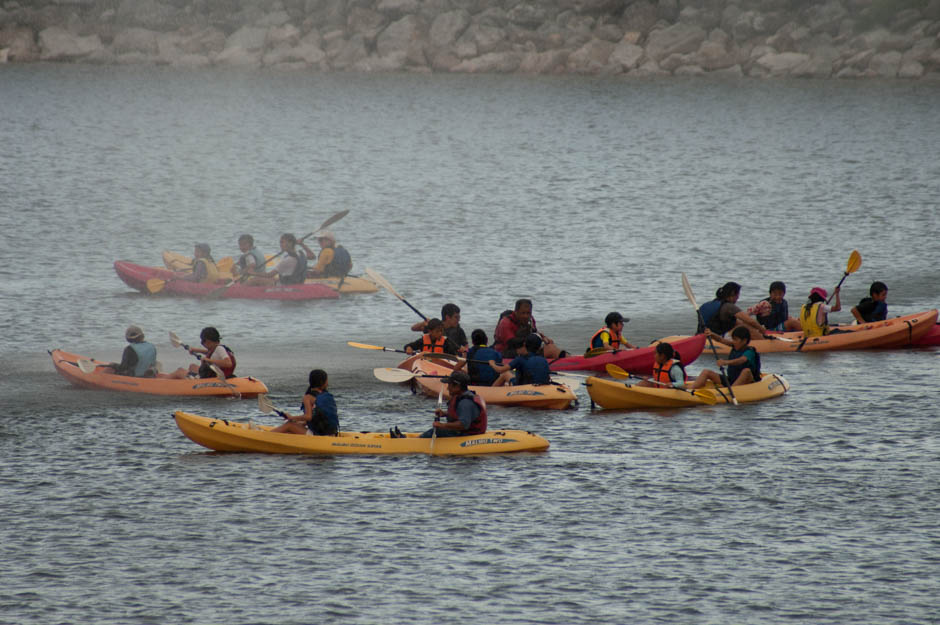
(518, 325)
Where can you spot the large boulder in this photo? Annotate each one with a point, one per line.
(151, 14)
(491, 63)
(135, 39)
(626, 54)
(58, 44)
(366, 22)
(19, 43)
(406, 35)
(591, 57)
(676, 39)
(781, 64)
(447, 28)
(886, 64)
(548, 62)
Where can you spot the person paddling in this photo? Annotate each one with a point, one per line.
(251, 260)
(320, 415)
(204, 267)
(743, 362)
(450, 316)
(722, 314)
(466, 411)
(668, 369)
(139, 359)
(334, 261)
(212, 353)
(519, 324)
(530, 367)
(292, 269)
(874, 307)
(433, 341)
(814, 314)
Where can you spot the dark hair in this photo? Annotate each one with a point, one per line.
(449, 310)
(209, 334)
(777, 286)
(459, 378)
(665, 349)
(532, 343)
(877, 287)
(523, 302)
(317, 378)
(741, 332)
(729, 289)
(478, 337)
(246, 238)
(433, 324)
(611, 318)
(291, 239)
(816, 297)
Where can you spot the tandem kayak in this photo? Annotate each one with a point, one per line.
(225, 435)
(554, 396)
(346, 286)
(66, 365)
(136, 277)
(638, 360)
(614, 395)
(887, 334)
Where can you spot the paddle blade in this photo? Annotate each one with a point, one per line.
(617, 372)
(265, 405)
(688, 291)
(392, 374)
(706, 397)
(225, 264)
(332, 220)
(175, 340)
(855, 261)
(381, 281)
(86, 366)
(571, 382)
(365, 346)
(155, 285)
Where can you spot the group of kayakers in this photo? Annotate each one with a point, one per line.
(251, 268)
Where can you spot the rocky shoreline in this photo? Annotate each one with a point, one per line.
(758, 38)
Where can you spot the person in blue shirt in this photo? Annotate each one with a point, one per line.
(478, 357)
(776, 315)
(874, 307)
(743, 362)
(139, 359)
(530, 368)
(320, 415)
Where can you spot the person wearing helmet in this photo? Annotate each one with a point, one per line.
(466, 411)
(204, 267)
(610, 337)
(530, 367)
(333, 262)
(814, 314)
(139, 359)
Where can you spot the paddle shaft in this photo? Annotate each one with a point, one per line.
(380, 279)
(691, 297)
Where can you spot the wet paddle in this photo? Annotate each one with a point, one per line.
(265, 406)
(385, 284)
(855, 261)
(175, 342)
(621, 373)
(379, 348)
(691, 297)
(440, 408)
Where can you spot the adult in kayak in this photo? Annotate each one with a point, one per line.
(610, 337)
(668, 370)
(775, 315)
(874, 307)
(743, 362)
(450, 316)
(204, 268)
(466, 411)
(292, 269)
(432, 341)
(320, 415)
(478, 357)
(530, 367)
(251, 261)
(721, 315)
(211, 353)
(518, 324)
(814, 314)
(139, 359)
(333, 262)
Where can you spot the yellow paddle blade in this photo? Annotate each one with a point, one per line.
(617, 372)
(155, 285)
(855, 261)
(364, 345)
(705, 396)
(225, 264)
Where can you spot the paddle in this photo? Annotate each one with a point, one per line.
(382, 282)
(621, 373)
(396, 375)
(175, 341)
(855, 261)
(691, 297)
(440, 408)
(265, 406)
(86, 365)
(380, 348)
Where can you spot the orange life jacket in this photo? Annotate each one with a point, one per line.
(435, 348)
(661, 374)
(615, 338)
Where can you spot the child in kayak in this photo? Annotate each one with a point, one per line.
(776, 316)
(320, 415)
(433, 340)
(743, 362)
(211, 353)
(668, 370)
(610, 337)
(481, 374)
(814, 314)
(874, 307)
(530, 368)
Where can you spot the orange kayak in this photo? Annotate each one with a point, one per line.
(66, 365)
(887, 334)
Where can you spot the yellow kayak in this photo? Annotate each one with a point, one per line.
(225, 435)
(350, 284)
(616, 395)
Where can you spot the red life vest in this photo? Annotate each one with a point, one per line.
(615, 338)
(437, 347)
(206, 372)
(661, 374)
(478, 425)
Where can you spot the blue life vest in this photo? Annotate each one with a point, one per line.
(482, 374)
(531, 369)
(340, 265)
(146, 359)
(753, 364)
(259, 260)
(300, 270)
(706, 312)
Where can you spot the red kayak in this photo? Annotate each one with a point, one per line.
(931, 339)
(638, 360)
(136, 276)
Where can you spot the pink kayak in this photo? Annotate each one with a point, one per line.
(638, 360)
(136, 277)
(931, 339)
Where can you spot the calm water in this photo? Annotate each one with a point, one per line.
(588, 195)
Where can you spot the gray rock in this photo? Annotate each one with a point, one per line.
(397, 9)
(608, 32)
(58, 44)
(204, 42)
(639, 16)
(529, 15)
(191, 61)
(688, 70)
(676, 39)
(19, 43)
(782, 63)
(486, 38)
(825, 17)
(910, 69)
(150, 14)
(493, 62)
(886, 64)
(248, 38)
(366, 22)
(714, 55)
(278, 35)
(406, 35)
(394, 62)
(447, 28)
(274, 19)
(548, 62)
(238, 57)
(628, 55)
(135, 40)
(591, 57)
(814, 67)
(350, 52)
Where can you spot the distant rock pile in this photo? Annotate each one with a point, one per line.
(803, 38)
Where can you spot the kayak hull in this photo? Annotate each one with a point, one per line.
(639, 361)
(225, 435)
(931, 339)
(543, 396)
(887, 334)
(66, 364)
(346, 286)
(136, 276)
(616, 395)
